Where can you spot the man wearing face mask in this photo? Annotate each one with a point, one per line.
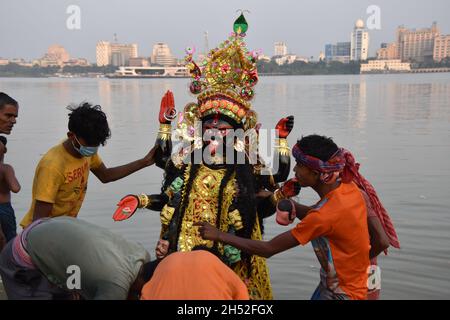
(60, 180)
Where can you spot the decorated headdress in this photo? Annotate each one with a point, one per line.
(225, 79)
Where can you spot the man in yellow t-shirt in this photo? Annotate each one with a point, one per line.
(60, 180)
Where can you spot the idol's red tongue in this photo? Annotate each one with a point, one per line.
(212, 147)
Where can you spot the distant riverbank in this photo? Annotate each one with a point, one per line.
(298, 68)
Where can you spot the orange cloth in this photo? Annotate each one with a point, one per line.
(337, 228)
(194, 275)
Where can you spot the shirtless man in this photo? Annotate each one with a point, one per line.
(8, 183)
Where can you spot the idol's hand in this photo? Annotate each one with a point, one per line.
(207, 231)
(162, 248)
(291, 188)
(127, 206)
(284, 127)
(167, 111)
(286, 212)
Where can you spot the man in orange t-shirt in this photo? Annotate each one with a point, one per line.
(336, 226)
(194, 275)
(337, 229)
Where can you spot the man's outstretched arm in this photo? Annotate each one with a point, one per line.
(106, 175)
(266, 249)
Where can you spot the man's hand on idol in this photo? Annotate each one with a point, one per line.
(150, 158)
(207, 231)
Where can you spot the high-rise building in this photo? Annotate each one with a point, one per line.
(121, 54)
(338, 52)
(417, 45)
(388, 51)
(330, 51)
(343, 49)
(162, 56)
(115, 54)
(280, 49)
(359, 42)
(441, 48)
(103, 53)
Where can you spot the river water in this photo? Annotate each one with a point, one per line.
(397, 126)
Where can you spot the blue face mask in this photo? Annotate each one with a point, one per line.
(85, 151)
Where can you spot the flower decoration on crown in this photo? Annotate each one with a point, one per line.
(224, 82)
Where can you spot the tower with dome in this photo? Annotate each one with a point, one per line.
(359, 42)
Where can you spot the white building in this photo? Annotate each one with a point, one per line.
(416, 45)
(385, 66)
(22, 62)
(286, 59)
(359, 42)
(114, 53)
(77, 62)
(264, 58)
(289, 59)
(151, 72)
(441, 47)
(280, 49)
(103, 53)
(162, 56)
(302, 59)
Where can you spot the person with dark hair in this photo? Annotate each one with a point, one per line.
(9, 111)
(8, 183)
(336, 226)
(68, 258)
(199, 274)
(60, 180)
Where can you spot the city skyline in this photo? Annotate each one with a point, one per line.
(183, 25)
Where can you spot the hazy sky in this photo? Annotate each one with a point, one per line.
(27, 28)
